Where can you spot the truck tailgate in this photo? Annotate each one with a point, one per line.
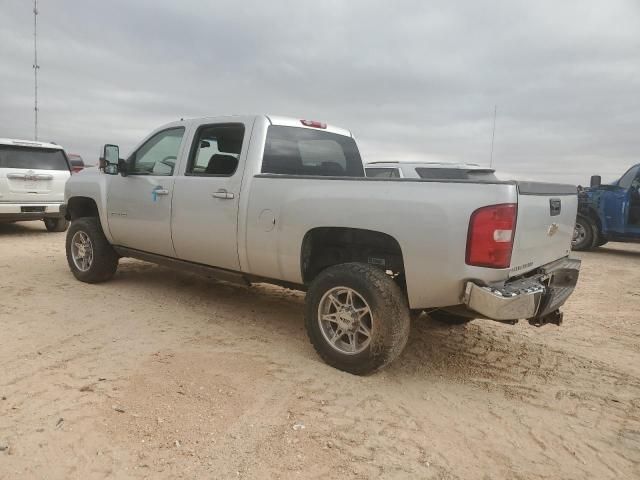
(544, 228)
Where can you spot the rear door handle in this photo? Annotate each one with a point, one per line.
(222, 193)
(161, 191)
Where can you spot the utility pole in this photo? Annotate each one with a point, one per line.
(36, 67)
(493, 135)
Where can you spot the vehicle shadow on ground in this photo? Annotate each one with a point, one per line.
(209, 297)
(24, 228)
(481, 349)
(619, 252)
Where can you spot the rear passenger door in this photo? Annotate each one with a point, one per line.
(204, 220)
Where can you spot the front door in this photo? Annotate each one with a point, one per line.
(139, 204)
(633, 209)
(205, 201)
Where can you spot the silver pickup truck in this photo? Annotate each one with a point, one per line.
(285, 201)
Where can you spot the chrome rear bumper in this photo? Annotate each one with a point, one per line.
(528, 298)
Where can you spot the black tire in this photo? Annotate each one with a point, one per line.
(59, 224)
(104, 259)
(584, 234)
(442, 316)
(390, 322)
(601, 241)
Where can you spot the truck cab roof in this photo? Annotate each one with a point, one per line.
(273, 120)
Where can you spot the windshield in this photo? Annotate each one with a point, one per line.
(32, 158)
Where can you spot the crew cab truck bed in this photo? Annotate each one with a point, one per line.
(263, 198)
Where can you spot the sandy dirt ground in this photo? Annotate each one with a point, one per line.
(159, 374)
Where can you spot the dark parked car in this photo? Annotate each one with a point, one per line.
(76, 162)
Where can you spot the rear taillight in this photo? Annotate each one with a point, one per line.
(76, 169)
(490, 237)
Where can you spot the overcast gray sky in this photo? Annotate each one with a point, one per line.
(412, 79)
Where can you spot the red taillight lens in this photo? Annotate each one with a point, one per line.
(313, 123)
(490, 237)
(76, 169)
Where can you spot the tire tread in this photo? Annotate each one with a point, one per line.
(105, 258)
(392, 309)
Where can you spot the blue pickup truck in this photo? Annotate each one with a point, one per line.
(609, 212)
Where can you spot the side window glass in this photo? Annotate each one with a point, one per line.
(158, 155)
(216, 150)
(627, 178)
(383, 172)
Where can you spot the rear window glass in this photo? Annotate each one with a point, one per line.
(383, 172)
(455, 174)
(32, 158)
(301, 151)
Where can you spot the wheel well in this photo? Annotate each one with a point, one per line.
(592, 215)
(326, 246)
(78, 207)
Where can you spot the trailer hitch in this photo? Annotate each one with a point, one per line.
(554, 317)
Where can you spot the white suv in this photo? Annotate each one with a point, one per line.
(32, 179)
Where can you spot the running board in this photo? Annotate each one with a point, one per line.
(190, 267)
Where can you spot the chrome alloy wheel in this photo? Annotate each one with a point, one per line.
(345, 320)
(82, 251)
(579, 234)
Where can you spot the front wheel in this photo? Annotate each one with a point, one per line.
(583, 234)
(59, 224)
(357, 318)
(90, 256)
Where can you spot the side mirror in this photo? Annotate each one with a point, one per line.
(596, 181)
(109, 159)
(111, 153)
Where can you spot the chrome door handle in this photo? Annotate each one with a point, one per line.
(16, 175)
(161, 191)
(223, 194)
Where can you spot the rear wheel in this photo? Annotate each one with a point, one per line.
(59, 224)
(601, 241)
(583, 234)
(90, 256)
(357, 318)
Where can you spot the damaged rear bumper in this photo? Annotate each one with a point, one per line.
(536, 298)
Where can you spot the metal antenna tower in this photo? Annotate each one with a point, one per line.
(36, 67)
(493, 134)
